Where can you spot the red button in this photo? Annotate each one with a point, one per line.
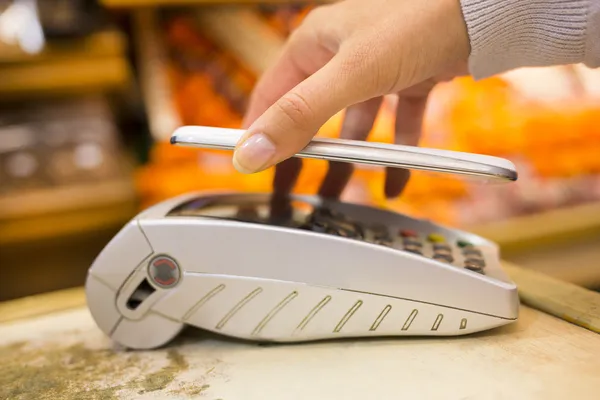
(405, 233)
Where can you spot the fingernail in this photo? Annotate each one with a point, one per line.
(254, 154)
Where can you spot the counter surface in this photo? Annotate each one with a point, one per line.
(62, 355)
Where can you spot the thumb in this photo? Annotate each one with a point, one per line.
(288, 125)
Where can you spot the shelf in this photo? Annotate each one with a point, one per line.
(107, 43)
(66, 224)
(84, 65)
(73, 211)
(63, 199)
(77, 75)
(53, 252)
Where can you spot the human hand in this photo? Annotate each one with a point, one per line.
(348, 55)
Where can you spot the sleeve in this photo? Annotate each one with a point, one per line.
(509, 34)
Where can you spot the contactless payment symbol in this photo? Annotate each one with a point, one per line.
(164, 271)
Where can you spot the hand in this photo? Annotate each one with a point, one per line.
(348, 55)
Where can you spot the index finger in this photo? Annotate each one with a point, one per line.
(301, 57)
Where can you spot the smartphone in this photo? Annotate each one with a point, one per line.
(478, 166)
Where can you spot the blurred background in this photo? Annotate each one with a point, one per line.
(91, 90)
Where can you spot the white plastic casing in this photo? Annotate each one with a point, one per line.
(270, 283)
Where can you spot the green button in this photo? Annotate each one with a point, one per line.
(464, 243)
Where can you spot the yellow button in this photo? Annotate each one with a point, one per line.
(436, 238)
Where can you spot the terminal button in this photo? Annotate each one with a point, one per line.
(443, 257)
(436, 238)
(464, 243)
(408, 233)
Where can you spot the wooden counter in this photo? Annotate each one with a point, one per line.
(563, 243)
(51, 348)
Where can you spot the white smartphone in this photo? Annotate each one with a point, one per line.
(478, 166)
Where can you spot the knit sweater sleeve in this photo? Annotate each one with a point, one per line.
(509, 34)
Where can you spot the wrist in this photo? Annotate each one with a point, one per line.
(462, 45)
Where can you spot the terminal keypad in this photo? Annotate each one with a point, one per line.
(459, 253)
